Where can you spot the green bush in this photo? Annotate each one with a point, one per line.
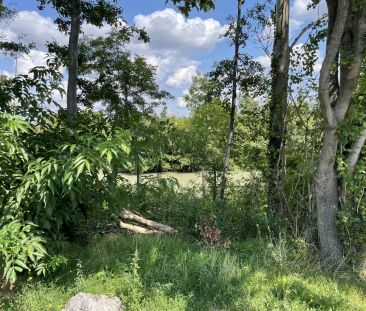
(21, 248)
(54, 188)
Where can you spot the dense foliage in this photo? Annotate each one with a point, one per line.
(62, 183)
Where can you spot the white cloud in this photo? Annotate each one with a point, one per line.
(174, 42)
(299, 10)
(182, 77)
(294, 24)
(40, 29)
(264, 60)
(94, 31)
(60, 99)
(169, 30)
(35, 27)
(6, 73)
(181, 101)
(164, 64)
(33, 59)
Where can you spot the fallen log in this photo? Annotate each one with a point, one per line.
(138, 229)
(128, 215)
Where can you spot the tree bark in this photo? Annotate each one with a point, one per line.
(356, 151)
(128, 215)
(137, 163)
(326, 197)
(138, 229)
(73, 60)
(230, 136)
(278, 109)
(346, 38)
(352, 160)
(214, 194)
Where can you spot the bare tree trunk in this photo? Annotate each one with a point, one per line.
(128, 215)
(137, 162)
(230, 136)
(214, 184)
(73, 61)
(138, 172)
(278, 109)
(203, 181)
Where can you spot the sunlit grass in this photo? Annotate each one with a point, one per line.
(167, 273)
(187, 179)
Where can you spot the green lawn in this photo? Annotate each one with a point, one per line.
(168, 273)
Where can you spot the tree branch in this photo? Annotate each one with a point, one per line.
(356, 151)
(305, 29)
(128, 215)
(335, 33)
(354, 42)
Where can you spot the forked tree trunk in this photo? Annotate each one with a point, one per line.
(73, 61)
(230, 136)
(278, 109)
(345, 42)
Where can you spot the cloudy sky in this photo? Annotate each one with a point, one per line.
(179, 47)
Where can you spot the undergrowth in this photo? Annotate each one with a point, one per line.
(169, 273)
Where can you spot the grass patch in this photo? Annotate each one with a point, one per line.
(187, 179)
(168, 273)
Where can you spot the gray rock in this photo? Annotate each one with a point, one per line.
(89, 302)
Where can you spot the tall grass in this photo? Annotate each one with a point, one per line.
(168, 273)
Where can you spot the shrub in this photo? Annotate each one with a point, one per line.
(53, 188)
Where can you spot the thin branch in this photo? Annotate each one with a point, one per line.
(356, 151)
(264, 48)
(306, 28)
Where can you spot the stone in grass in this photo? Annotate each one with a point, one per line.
(89, 302)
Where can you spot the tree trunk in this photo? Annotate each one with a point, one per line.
(128, 215)
(73, 61)
(345, 42)
(230, 136)
(214, 194)
(137, 164)
(278, 109)
(326, 196)
(138, 174)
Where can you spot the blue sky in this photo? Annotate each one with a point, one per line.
(179, 47)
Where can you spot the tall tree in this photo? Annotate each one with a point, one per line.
(338, 79)
(208, 127)
(126, 85)
(230, 135)
(283, 54)
(73, 14)
(278, 106)
(249, 79)
(73, 59)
